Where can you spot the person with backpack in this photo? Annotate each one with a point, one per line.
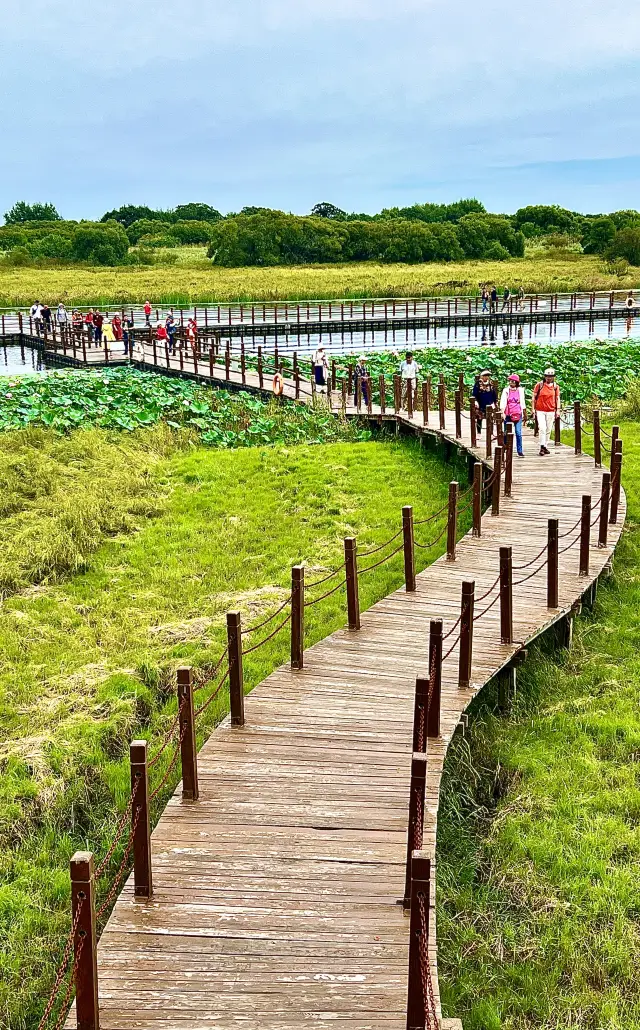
(513, 408)
(506, 298)
(546, 407)
(485, 395)
(493, 310)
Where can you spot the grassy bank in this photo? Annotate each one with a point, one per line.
(186, 285)
(89, 661)
(539, 838)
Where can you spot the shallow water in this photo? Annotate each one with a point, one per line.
(15, 360)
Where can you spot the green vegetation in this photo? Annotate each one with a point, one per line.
(538, 863)
(88, 662)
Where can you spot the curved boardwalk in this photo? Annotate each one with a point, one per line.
(275, 902)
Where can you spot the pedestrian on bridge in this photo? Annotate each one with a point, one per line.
(513, 408)
(320, 367)
(116, 325)
(98, 321)
(88, 321)
(485, 395)
(361, 381)
(409, 374)
(46, 316)
(494, 301)
(485, 298)
(506, 297)
(546, 406)
(127, 335)
(62, 317)
(147, 313)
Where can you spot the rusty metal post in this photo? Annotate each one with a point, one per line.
(140, 821)
(435, 678)
(506, 595)
(297, 617)
(188, 750)
(351, 569)
(420, 894)
(409, 549)
(83, 917)
(585, 534)
(477, 498)
(236, 676)
(415, 826)
(497, 480)
(552, 563)
(467, 605)
(604, 509)
(452, 520)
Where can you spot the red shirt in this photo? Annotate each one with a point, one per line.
(147, 308)
(546, 397)
(161, 332)
(89, 318)
(98, 320)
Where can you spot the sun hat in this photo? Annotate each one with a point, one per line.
(486, 372)
(549, 371)
(515, 377)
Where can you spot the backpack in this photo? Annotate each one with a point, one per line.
(514, 407)
(537, 388)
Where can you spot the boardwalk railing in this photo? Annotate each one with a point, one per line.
(78, 968)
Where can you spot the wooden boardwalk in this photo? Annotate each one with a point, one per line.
(275, 895)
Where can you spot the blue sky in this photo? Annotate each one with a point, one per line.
(364, 103)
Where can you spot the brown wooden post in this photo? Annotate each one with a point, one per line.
(615, 484)
(429, 394)
(467, 605)
(497, 479)
(382, 388)
(604, 509)
(397, 394)
(420, 715)
(140, 821)
(488, 414)
(297, 617)
(358, 394)
(260, 369)
(227, 361)
(552, 563)
(477, 498)
(236, 677)
(473, 426)
(452, 520)
(585, 534)
(458, 400)
(556, 431)
(615, 434)
(415, 822)
(442, 403)
(334, 374)
(597, 438)
(425, 403)
(243, 364)
(435, 678)
(188, 750)
(343, 391)
(577, 425)
(410, 398)
(506, 596)
(83, 917)
(351, 569)
(409, 550)
(297, 384)
(420, 894)
(508, 460)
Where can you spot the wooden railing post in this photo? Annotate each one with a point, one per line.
(188, 751)
(615, 433)
(409, 549)
(236, 676)
(343, 396)
(415, 825)
(83, 910)
(297, 617)
(585, 534)
(552, 563)
(616, 476)
(442, 404)
(397, 394)
(508, 461)
(467, 605)
(382, 387)
(577, 425)
(435, 678)
(452, 520)
(420, 715)
(604, 509)
(477, 498)
(506, 595)
(457, 398)
(420, 894)
(556, 431)
(497, 480)
(140, 821)
(473, 428)
(351, 569)
(597, 438)
(425, 403)
(488, 414)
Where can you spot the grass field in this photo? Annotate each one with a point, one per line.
(539, 834)
(184, 284)
(173, 540)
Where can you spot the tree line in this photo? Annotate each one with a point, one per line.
(264, 236)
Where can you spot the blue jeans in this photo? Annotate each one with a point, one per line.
(517, 427)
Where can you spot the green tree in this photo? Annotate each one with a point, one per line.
(23, 212)
(129, 213)
(100, 244)
(599, 235)
(625, 244)
(548, 218)
(196, 213)
(326, 210)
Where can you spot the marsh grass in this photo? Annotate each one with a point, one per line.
(89, 661)
(539, 831)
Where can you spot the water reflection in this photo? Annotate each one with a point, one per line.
(16, 360)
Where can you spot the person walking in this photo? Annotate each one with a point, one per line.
(546, 406)
(493, 307)
(513, 408)
(46, 317)
(98, 321)
(485, 298)
(162, 336)
(35, 314)
(360, 380)
(485, 395)
(409, 374)
(521, 298)
(108, 335)
(147, 313)
(116, 325)
(320, 368)
(127, 336)
(88, 321)
(62, 317)
(76, 322)
(172, 328)
(506, 297)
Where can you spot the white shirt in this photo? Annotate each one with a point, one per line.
(62, 315)
(505, 395)
(320, 358)
(36, 311)
(409, 370)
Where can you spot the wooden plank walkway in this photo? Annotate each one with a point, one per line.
(275, 901)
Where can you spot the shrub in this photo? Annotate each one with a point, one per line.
(599, 235)
(625, 244)
(100, 245)
(496, 252)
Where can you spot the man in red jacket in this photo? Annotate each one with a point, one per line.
(546, 405)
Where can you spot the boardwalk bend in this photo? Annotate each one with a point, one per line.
(270, 892)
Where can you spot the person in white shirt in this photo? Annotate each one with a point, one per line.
(409, 374)
(320, 368)
(61, 315)
(36, 314)
(513, 408)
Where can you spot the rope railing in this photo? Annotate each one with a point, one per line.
(328, 593)
(254, 647)
(369, 568)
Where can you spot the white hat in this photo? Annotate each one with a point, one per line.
(549, 371)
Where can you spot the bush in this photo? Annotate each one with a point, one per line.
(22, 212)
(478, 232)
(100, 245)
(599, 235)
(625, 244)
(53, 245)
(496, 252)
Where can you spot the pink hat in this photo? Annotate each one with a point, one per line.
(514, 377)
